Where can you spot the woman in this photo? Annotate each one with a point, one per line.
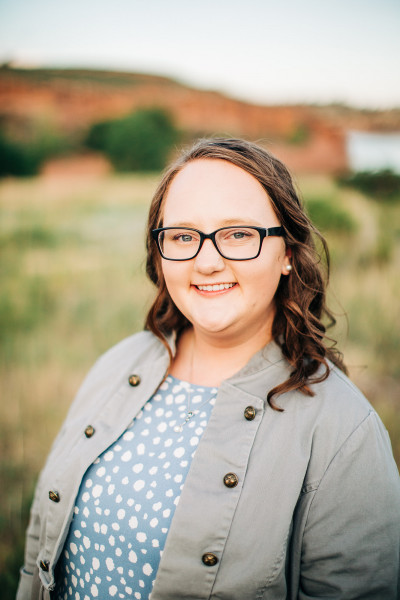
(230, 403)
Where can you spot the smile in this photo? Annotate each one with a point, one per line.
(215, 288)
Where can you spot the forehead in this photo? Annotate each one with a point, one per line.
(213, 190)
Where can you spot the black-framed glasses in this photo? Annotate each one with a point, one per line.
(233, 243)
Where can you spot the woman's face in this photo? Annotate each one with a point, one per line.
(208, 194)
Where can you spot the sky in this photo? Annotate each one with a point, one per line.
(263, 51)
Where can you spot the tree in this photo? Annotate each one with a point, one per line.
(141, 141)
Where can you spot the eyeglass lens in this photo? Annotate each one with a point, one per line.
(235, 243)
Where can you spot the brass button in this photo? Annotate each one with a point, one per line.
(89, 431)
(44, 565)
(209, 559)
(231, 480)
(249, 413)
(54, 496)
(134, 380)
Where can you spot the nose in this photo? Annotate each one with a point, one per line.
(208, 259)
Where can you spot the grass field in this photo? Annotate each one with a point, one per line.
(73, 284)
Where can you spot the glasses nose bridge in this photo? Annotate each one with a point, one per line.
(209, 236)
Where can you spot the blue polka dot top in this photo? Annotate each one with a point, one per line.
(128, 497)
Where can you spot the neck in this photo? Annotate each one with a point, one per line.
(205, 359)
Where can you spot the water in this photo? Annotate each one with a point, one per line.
(373, 151)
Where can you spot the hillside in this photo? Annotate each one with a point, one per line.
(308, 138)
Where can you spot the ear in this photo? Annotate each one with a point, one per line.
(286, 264)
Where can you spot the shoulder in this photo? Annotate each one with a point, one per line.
(140, 345)
(116, 364)
(343, 422)
(336, 399)
(336, 402)
(340, 402)
(326, 420)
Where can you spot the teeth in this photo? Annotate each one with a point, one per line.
(215, 288)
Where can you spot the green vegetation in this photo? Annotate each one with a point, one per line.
(328, 215)
(141, 141)
(107, 79)
(72, 281)
(27, 237)
(300, 135)
(381, 185)
(24, 157)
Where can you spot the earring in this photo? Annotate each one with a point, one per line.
(288, 267)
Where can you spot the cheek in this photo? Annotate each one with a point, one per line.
(263, 282)
(176, 275)
(167, 273)
(265, 273)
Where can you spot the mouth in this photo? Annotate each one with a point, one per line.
(216, 287)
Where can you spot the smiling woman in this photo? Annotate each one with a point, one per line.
(221, 453)
(242, 312)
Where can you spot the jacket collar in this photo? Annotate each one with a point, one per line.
(265, 369)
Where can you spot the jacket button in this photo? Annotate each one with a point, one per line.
(134, 380)
(44, 565)
(54, 496)
(249, 413)
(209, 559)
(231, 480)
(89, 431)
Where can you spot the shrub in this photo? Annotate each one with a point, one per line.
(24, 158)
(299, 135)
(141, 141)
(327, 215)
(96, 139)
(13, 158)
(382, 185)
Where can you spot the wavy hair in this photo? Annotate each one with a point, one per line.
(300, 298)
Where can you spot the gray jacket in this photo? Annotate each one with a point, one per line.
(315, 513)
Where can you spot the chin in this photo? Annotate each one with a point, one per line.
(212, 325)
(226, 330)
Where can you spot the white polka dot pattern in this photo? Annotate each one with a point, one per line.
(128, 497)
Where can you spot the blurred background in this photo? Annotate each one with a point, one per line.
(95, 98)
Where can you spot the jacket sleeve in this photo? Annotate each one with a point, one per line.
(31, 550)
(28, 573)
(98, 385)
(352, 528)
(32, 541)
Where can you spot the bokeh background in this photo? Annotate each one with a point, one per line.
(95, 97)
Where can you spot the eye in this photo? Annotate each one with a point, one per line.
(238, 234)
(183, 237)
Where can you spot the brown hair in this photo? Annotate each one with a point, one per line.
(300, 297)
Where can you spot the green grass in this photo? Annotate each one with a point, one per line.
(73, 283)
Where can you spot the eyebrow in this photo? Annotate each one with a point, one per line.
(225, 223)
